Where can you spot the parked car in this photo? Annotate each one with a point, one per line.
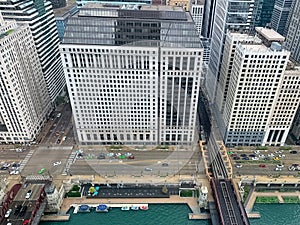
(58, 115)
(28, 194)
(278, 169)
(279, 166)
(164, 164)
(8, 212)
(262, 165)
(131, 157)
(148, 169)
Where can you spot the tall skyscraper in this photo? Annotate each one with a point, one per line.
(197, 11)
(262, 96)
(24, 100)
(208, 19)
(133, 75)
(263, 13)
(39, 16)
(234, 15)
(293, 32)
(280, 15)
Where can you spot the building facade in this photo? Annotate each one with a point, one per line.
(229, 15)
(137, 82)
(280, 15)
(40, 18)
(197, 12)
(24, 100)
(293, 32)
(61, 18)
(260, 96)
(263, 13)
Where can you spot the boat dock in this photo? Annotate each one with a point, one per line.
(50, 218)
(76, 206)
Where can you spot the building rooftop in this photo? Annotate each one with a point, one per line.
(138, 26)
(269, 34)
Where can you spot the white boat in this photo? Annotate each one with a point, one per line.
(134, 207)
(125, 208)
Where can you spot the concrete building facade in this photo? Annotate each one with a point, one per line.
(138, 83)
(24, 100)
(229, 15)
(40, 18)
(259, 96)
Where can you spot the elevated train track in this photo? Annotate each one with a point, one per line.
(231, 210)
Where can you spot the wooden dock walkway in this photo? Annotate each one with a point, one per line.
(49, 218)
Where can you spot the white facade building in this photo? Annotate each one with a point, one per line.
(262, 98)
(24, 100)
(235, 15)
(39, 16)
(197, 12)
(137, 84)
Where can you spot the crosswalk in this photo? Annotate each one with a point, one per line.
(70, 161)
(25, 160)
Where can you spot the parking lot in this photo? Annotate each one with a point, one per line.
(265, 162)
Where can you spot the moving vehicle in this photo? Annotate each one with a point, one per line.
(28, 194)
(23, 211)
(41, 171)
(7, 214)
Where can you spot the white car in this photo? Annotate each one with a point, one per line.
(271, 155)
(279, 166)
(238, 165)
(14, 172)
(7, 214)
(262, 156)
(57, 163)
(28, 194)
(256, 152)
(278, 169)
(255, 158)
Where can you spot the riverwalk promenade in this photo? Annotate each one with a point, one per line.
(191, 202)
(250, 203)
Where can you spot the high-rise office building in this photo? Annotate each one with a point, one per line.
(39, 16)
(263, 11)
(236, 15)
(208, 19)
(197, 11)
(293, 32)
(133, 75)
(280, 15)
(24, 100)
(61, 17)
(262, 96)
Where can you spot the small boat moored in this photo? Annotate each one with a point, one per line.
(84, 208)
(144, 207)
(102, 208)
(135, 208)
(125, 208)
